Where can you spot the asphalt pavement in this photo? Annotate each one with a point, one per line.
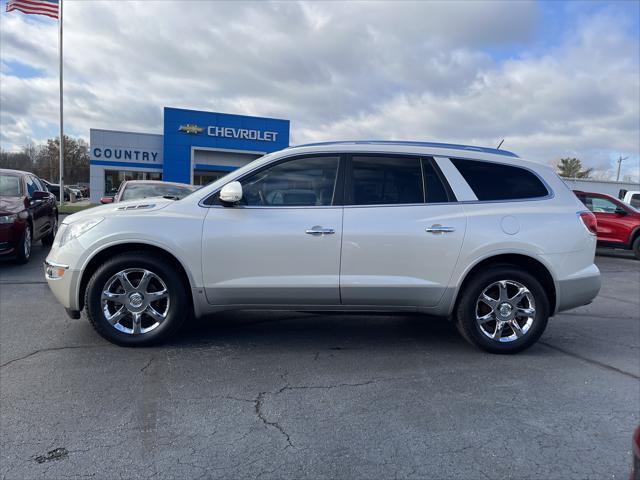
(299, 395)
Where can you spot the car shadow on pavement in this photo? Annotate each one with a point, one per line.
(317, 330)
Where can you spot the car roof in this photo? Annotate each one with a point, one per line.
(406, 143)
(14, 172)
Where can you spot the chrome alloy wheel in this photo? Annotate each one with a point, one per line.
(505, 311)
(135, 301)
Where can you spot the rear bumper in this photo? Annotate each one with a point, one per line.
(578, 290)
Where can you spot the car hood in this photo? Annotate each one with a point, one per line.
(10, 205)
(128, 208)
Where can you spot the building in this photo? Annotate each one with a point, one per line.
(609, 187)
(196, 147)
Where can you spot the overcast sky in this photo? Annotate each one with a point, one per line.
(552, 78)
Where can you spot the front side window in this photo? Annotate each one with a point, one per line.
(380, 180)
(497, 181)
(303, 182)
(31, 186)
(600, 205)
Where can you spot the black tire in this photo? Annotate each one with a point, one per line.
(48, 239)
(466, 311)
(636, 247)
(178, 305)
(23, 250)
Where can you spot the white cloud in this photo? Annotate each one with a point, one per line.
(404, 70)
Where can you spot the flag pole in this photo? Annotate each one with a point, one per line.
(61, 116)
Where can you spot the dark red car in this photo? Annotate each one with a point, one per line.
(28, 213)
(618, 223)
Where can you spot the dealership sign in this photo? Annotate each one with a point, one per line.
(230, 132)
(124, 154)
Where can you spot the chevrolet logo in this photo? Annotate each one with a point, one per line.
(191, 129)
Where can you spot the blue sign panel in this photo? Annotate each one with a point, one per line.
(187, 129)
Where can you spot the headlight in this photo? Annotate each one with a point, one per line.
(74, 230)
(8, 218)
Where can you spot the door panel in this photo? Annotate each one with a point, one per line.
(254, 256)
(388, 257)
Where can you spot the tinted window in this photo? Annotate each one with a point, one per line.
(386, 180)
(435, 190)
(31, 186)
(635, 200)
(302, 182)
(496, 181)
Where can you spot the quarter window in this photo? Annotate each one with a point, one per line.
(303, 182)
(496, 181)
(379, 180)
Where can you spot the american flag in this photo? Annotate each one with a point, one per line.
(36, 7)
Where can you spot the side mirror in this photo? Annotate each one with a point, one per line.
(39, 195)
(231, 192)
(620, 211)
(106, 200)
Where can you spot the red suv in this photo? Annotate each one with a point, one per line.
(618, 223)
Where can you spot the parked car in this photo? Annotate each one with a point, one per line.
(28, 213)
(631, 197)
(137, 189)
(478, 235)
(55, 189)
(618, 222)
(78, 191)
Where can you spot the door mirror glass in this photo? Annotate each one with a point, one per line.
(105, 200)
(231, 192)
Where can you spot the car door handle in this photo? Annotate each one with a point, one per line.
(439, 229)
(318, 230)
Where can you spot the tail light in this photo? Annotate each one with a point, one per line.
(589, 221)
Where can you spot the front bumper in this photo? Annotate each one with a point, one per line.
(10, 236)
(65, 286)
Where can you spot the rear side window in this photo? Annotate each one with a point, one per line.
(380, 180)
(496, 181)
(635, 200)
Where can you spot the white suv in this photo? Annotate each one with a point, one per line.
(496, 243)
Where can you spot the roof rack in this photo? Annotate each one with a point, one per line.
(451, 146)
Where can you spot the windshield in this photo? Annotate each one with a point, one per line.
(10, 186)
(135, 192)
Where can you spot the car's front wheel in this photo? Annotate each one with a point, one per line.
(502, 310)
(636, 248)
(23, 249)
(136, 299)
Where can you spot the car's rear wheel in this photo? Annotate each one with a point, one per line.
(136, 299)
(636, 247)
(50, 237)
(502, 310)
(23, 250)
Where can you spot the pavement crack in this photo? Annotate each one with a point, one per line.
(51, 349)
(590, 360)
(147, 365)
(260, 414)
(324, 387)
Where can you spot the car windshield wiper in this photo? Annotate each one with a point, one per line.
(171, 197)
